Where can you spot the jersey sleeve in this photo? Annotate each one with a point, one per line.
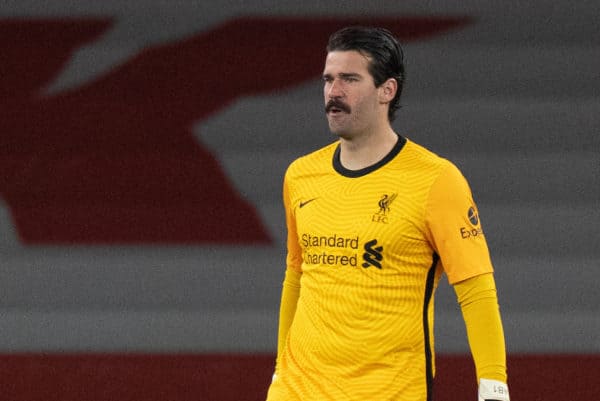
(287, 310)
(294, 253)
(454, 227)
(479, 304)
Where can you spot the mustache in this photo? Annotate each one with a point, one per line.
(334, 103)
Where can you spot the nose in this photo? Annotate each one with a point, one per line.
(335, 89)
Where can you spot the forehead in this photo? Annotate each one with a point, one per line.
(350, 61)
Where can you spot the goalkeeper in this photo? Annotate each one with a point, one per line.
(364, 330)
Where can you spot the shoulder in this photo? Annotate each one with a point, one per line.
(442, 179)
(311, 163)
(422, 161)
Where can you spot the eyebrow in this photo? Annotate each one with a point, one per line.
(344, 75)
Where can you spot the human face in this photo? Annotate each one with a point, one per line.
(351, 98)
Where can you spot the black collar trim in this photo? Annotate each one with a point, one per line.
(337, 164)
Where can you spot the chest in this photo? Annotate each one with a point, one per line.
(381, 215)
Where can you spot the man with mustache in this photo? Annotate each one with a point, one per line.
(356, 317)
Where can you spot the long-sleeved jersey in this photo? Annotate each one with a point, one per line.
(370, 246)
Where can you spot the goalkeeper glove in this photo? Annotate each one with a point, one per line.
(493, 390)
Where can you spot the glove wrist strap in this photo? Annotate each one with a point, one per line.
(493, 390)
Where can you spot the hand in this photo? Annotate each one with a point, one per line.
(493, 390)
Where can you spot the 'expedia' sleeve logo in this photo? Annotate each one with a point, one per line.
(473, 216)
(475, 230)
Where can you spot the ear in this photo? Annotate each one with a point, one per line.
(387, 90)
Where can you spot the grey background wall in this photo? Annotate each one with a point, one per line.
(512, 98)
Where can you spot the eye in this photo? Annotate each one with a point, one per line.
(350, 78)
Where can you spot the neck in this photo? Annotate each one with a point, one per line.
(366, 150)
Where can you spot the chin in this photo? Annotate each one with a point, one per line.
(335, 131)
(341, 134)
(338, 131)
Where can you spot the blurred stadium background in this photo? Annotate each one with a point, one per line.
(142, 149)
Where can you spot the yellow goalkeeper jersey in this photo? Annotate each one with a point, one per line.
(371, 245)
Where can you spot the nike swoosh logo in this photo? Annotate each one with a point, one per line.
(302, 204)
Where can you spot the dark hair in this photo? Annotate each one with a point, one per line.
(382, 48)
